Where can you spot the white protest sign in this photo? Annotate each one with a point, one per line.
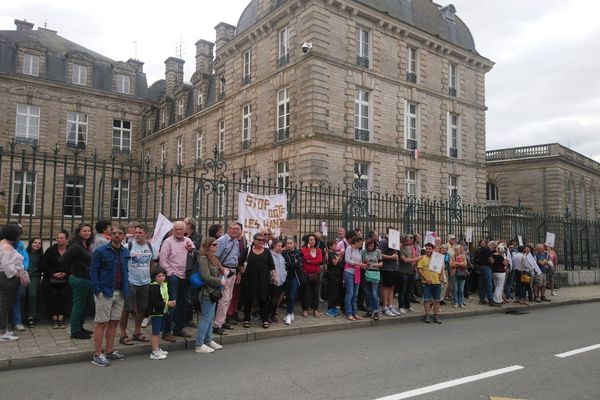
(258, 212)
(437, 262)
(162, 227)
(550, 238)
(324, 229)
(429, 237)
(520, 240)
(469, 235)
(394, 239)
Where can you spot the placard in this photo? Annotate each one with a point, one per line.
(162, 227)
(257, 212)
(437, 262)
(429, 237)
(469, 235)
(394, 239)
(520, 240)
(550, 239)
(324, 229)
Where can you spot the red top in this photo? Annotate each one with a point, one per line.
(310, 264)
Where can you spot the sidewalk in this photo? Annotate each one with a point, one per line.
(43, 345)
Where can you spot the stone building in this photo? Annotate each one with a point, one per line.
(546, 179)
(74, 110)
(387, 93)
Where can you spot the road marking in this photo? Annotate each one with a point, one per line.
(449, 384)
(577, 351)
(503, 398)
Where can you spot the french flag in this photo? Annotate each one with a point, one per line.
(416, 154)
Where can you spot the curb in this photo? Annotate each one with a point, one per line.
(250, 336)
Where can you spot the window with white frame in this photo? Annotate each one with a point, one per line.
(79, 74)
(74, 192)
(199, 146)
(23, 193)
(283, 175)
(245, 179)
(453, 135)
(453, 79)
(362, 47)
(452, 186)
(120, 198)
(361, 115)
(221, 88)
(199, 103)
(411, 64)
(123, 83)
(77, 128)
(284, 36)
(180, 108)
(31, 64)
(221, 143)
(491, 192)
(412, 126)
(410, 183)
(28, 123)
(163, 154)
(283, 114)
(246, 126)
(361, 175)
(121, 136)
(163, 116)
(247, 78)
(180, 150)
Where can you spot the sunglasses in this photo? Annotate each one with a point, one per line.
(260, 239)
(214, 244)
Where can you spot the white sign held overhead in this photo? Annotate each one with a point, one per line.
(550, 239)
(520, 240)
(394, 239)
(258, 212)
(162, 227)
(429, 237)
(469, 235)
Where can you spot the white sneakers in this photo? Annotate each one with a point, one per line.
(215, 346)
(8, 337)
(398, 313)
(204, 349)
(402, 311)
(288, 319)
(157, 355)
(388, 312)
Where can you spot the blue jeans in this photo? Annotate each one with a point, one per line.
(350, 299)
(176, 318)
(204, 335)
(372, 291)
(485, 283)
(16, 307)
(458, 290)
(292, 293)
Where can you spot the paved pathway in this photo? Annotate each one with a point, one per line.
(43, 345)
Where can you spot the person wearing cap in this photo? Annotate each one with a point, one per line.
(431, 285)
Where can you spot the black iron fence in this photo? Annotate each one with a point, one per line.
(50, 191)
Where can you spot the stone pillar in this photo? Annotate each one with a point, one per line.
(136, 65)
(224, 33)
(173, 74)
(23, 25)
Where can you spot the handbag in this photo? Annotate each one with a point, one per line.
(461, 274)
(215, 295)
(196, 280)
(525, 277)
(372, 275)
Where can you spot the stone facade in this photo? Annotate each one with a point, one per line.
(257, 83)
(546, 179)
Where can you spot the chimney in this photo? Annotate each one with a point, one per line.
(265, 7)
(136, 65)
(204, 56)
(224, 33)
(173, 74)
(23, 25)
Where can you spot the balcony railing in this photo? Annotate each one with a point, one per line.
(362, 61)
(282, 134)
(221, 96)
(25, 140)
(452, 91)
(453, 152)
(411, 77)
(76, 145)
(362, 135)
(246, 80)
(518, 152)
(411, 144)
(283, 60)
(246, 144)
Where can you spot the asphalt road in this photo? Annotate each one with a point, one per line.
(389, 362)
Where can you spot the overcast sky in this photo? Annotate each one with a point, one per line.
(544, 88)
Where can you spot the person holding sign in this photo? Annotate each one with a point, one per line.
(432, 275)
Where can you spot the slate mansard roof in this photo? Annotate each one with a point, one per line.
(422, 14)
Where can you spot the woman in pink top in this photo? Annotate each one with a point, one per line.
(312, 257)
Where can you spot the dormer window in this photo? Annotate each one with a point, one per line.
(123, 83)
(31, 64)
(79, 75)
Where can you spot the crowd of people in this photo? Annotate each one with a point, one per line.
(230, 282)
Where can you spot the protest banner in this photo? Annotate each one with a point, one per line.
(161, 228)
(258, 212)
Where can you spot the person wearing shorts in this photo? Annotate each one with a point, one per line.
(158, 306)
(109, 280)
(141, 255)
(431, 285)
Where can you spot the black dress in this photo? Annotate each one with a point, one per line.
(257, 276)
